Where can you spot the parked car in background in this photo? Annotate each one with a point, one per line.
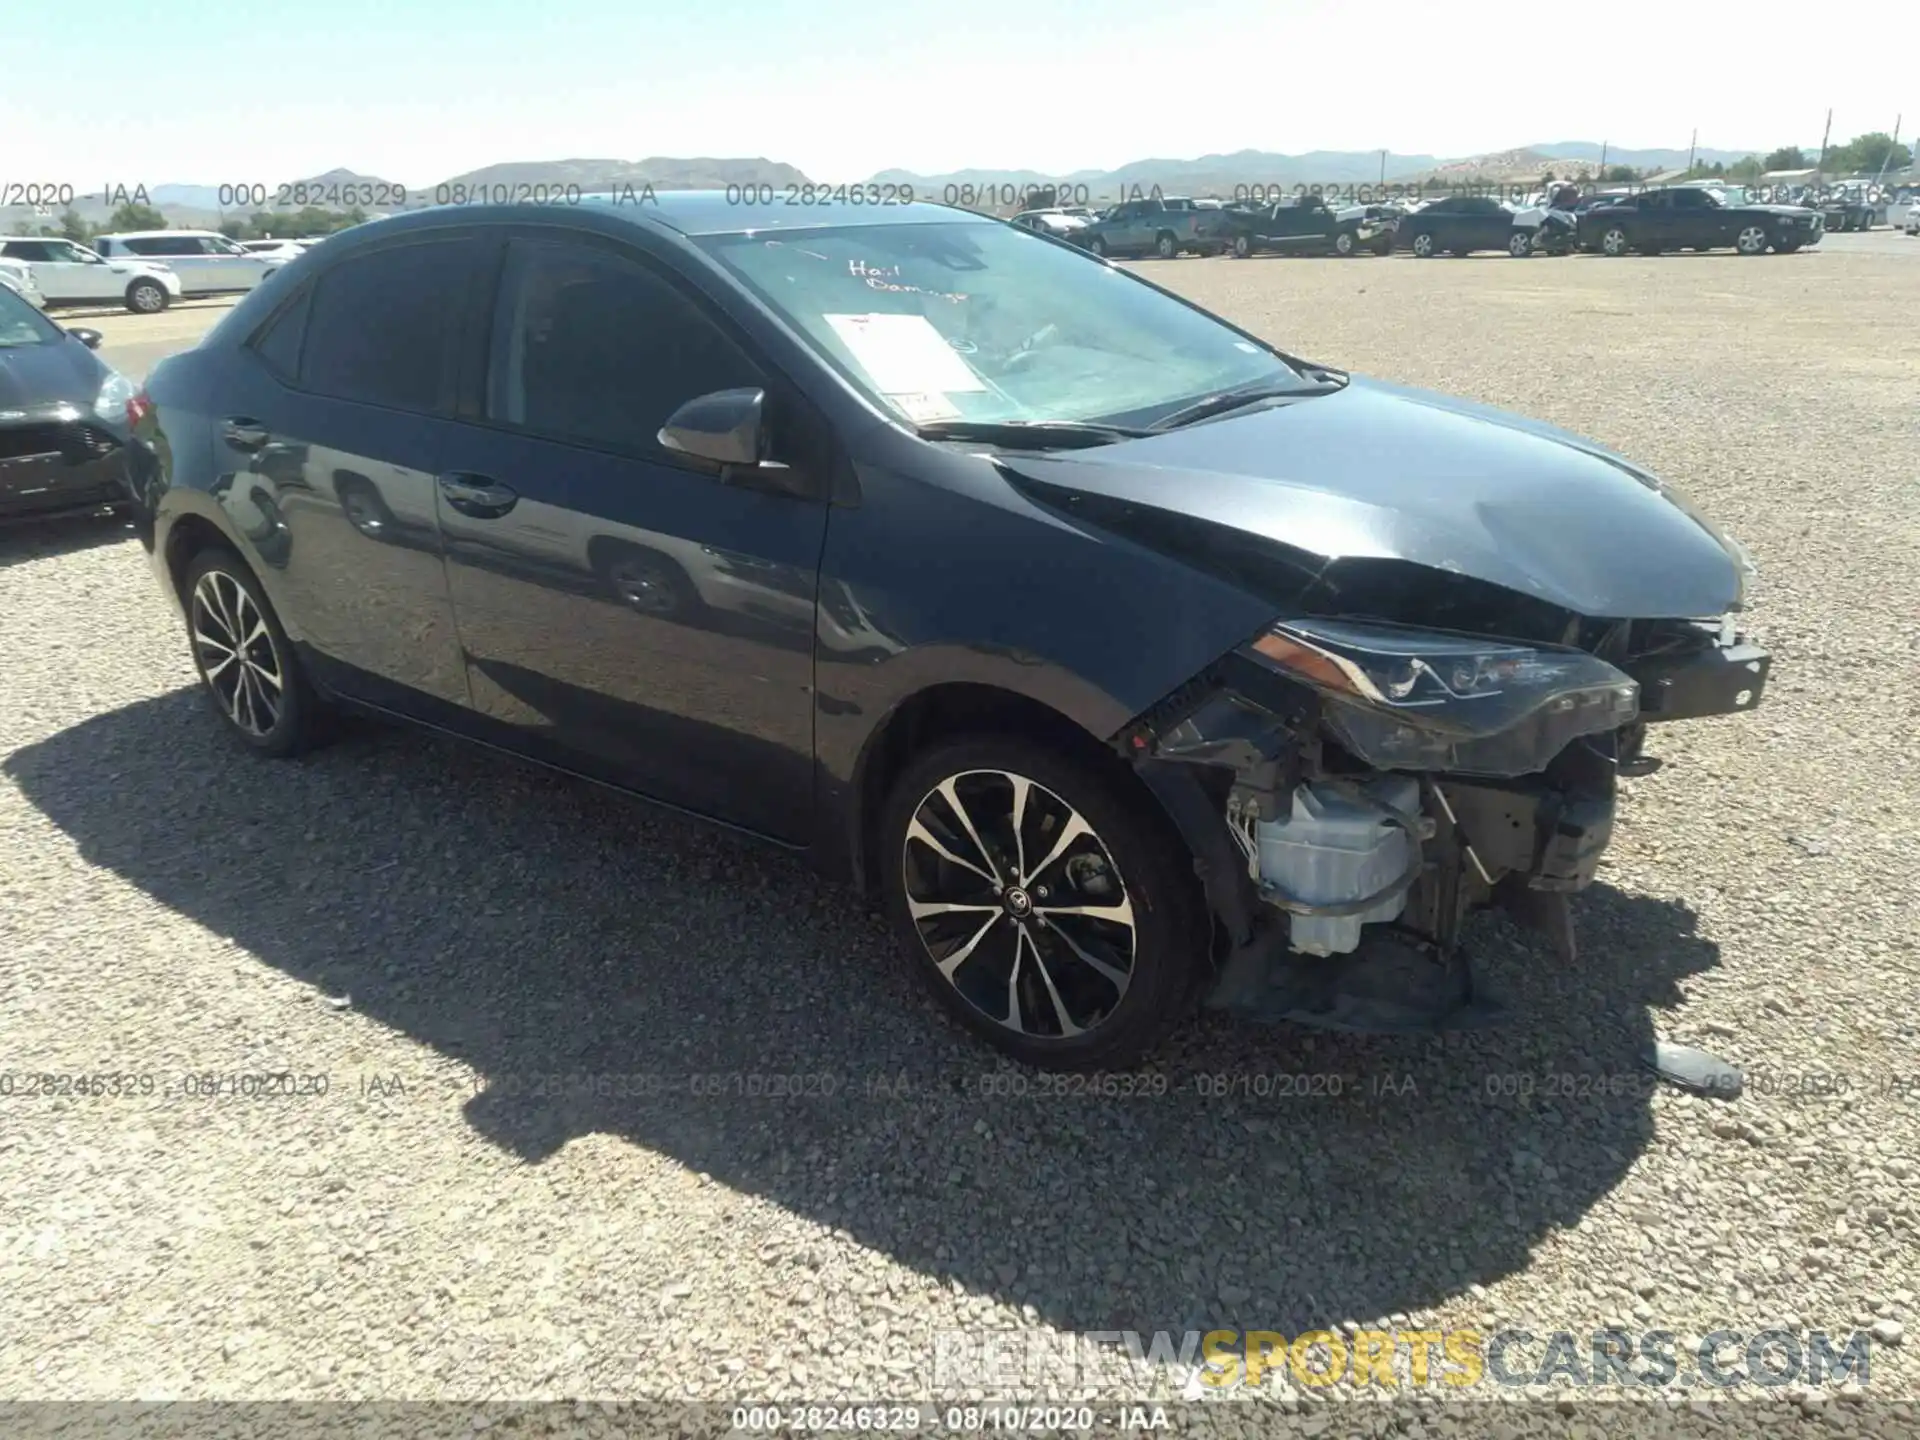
(1163, 226)
(70, 274)
(15, 275)
(1911, 223)
(271, 249)
(1057, 223)
(1307, 225)
(1462, 224)
(1686, 217)
(66, 418)
(207, 262)
(1162, 643)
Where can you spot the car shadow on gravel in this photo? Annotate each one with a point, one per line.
(25, 538)
(711, 1000)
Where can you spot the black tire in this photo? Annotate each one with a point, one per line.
(1615, 241)
(1097, 246)
(1128, 844)
(1520, 244)
(1242, 247)
(147, 297)
(1165, 246)
(1383, 245)
(216, 578)
(648, 582)
(1422, 245)
(1343, 244)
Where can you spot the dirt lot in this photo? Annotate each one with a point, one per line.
(434, 931)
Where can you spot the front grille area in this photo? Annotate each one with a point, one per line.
(74, 441)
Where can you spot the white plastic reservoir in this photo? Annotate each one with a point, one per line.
(1334, 849)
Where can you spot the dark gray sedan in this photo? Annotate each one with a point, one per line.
(65, 427)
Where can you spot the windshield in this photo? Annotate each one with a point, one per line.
(21, 324)
(965, 321)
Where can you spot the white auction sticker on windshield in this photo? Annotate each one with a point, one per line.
(904, 354)
(924, 409)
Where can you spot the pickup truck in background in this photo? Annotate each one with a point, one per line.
(1308, 225)
(1164, 226)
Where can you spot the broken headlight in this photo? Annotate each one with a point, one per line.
(1425, 700)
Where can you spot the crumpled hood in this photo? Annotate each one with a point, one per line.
(36, 379)
(1385, 471)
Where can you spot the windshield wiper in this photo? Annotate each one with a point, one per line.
(1031, 434)
(1324, 382)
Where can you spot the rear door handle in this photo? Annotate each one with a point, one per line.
(244, 433)
(480, 496)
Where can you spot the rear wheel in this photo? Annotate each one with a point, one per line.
(1613, 241)
(244, 658)
(1423, 246)
(1165, 246)
(1097, 246)
(1520, 244)
(1383, 245)
(1343, 243)
(1242, 247)
(1050, 909)
(1752, 240)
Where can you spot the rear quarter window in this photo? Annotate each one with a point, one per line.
(383, 326)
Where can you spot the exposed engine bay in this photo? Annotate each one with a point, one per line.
(1352, 791)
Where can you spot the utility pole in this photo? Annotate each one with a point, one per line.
(1692, 146)
(1887, 159)
(1824, 135)
(1383, 161)
(1603, 160)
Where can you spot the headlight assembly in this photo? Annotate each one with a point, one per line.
(115, 391)
(1405, 699)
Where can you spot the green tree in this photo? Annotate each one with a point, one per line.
(136, 217)
(73, 227)
(1619, 175)
(1746, 171)
(232, 228)
(1787, 157)
(1871, 152)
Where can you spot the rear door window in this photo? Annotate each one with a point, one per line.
(383, 327)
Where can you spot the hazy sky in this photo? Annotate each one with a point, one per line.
(268, 90)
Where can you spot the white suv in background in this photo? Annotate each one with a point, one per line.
(207, 262)
(15, 275)
(70, 274)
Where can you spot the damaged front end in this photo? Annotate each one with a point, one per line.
(1352, 791)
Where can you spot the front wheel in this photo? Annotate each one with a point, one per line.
(1752, 240)
(1242, 247)
(1097, 246)
(1614, 241)
(1343, 244)
(1046, 904)
(146, 297)
(1520, 244)
(244, 658)
(1166, 247)
(1423, 246)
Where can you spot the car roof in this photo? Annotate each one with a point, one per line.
(156, 234)
(712, 212)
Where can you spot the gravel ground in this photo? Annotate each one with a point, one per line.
(434, 930)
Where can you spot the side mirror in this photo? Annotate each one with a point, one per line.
(728, 428)
(89, 338)
(724, 426)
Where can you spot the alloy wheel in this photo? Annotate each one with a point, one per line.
(1520, 244)
(1614, 242)
(1343, 243)
(236, 653)
(1752, 241)
(148, 299)
(1019, 904)
(1423, 246)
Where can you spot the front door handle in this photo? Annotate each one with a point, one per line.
(480, 496)
(244, 433)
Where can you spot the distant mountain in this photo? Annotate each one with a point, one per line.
(191, 197)
(1642, 159)
(1209, 174)
(661, 172)
(1221, 174)
(337, 177)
